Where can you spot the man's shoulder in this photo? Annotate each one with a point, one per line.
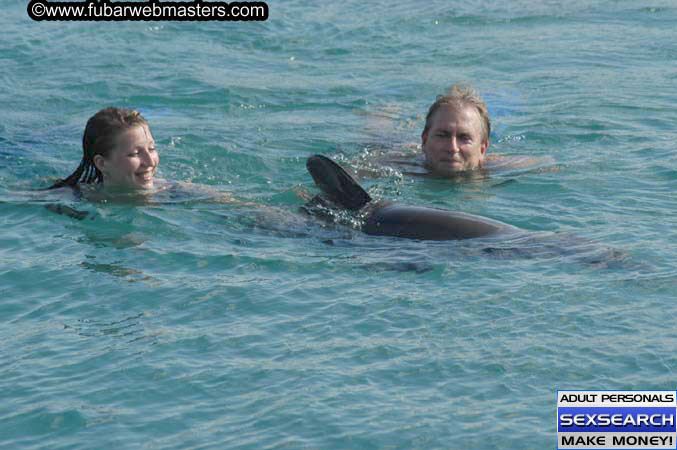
(502, 162)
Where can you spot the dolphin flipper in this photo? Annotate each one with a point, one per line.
(336, 183)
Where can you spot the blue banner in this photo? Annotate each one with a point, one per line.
(616, 419)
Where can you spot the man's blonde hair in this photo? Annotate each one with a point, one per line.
(458, 96)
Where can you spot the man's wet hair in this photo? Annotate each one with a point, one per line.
(459, 96)
(99, 138)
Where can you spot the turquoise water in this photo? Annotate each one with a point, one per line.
(195, 324)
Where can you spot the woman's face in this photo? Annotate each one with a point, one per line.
(132, 162)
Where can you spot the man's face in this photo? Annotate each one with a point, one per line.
(455, 140)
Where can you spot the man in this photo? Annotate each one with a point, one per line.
(456, 133)
(454, 141)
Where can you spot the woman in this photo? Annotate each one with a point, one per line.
(118, 152)
(119, 159)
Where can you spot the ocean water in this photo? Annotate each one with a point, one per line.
(196, 324)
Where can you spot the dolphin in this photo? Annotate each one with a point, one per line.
(385, 218)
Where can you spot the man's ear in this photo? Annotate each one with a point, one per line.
(424, 137)
(485, 146)
(99, 162)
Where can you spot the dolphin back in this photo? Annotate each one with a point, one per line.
(417, 222)
(387, 219)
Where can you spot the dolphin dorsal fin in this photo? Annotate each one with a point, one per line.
(337, 183)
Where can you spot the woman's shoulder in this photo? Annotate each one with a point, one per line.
(187, 191)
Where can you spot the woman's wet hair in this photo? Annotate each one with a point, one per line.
(99, 138)
(458, 96)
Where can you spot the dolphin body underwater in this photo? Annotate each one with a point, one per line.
(382, 218)
(391, 219)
